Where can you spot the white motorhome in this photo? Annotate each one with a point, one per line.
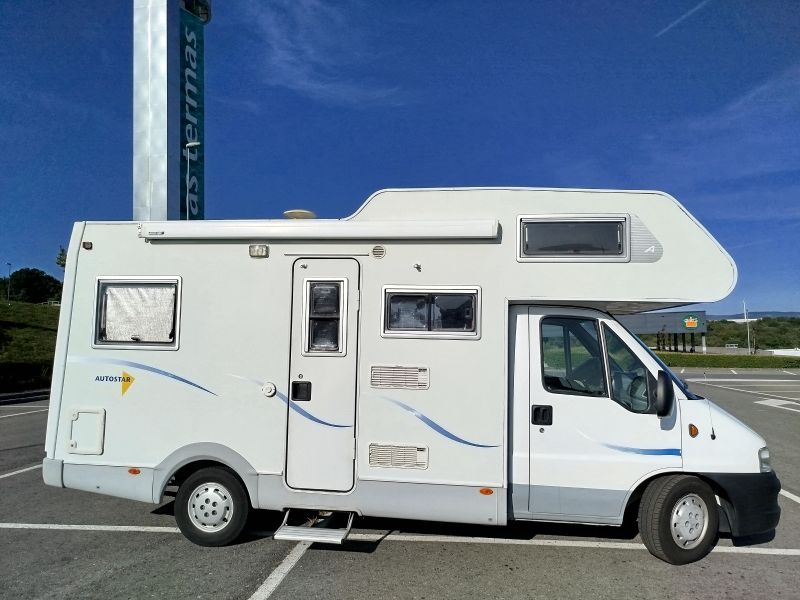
(442, 354)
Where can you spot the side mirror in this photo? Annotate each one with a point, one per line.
(665, 394)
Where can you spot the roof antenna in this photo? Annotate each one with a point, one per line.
(299, 213)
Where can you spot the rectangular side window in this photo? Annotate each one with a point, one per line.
(324, 327)
(432, 313)
(572, 361)
(574, 238)
(137, 313)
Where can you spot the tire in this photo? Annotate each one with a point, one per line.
(211, 507)
(679, 519)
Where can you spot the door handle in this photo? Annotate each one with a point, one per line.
(301, 391)
(541, 414)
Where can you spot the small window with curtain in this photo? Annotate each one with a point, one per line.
(442, 313)
(137, 314)
(324, 317)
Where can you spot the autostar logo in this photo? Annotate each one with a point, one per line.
(125, 380)
(691, 322)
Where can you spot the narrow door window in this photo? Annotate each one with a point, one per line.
(324, 321)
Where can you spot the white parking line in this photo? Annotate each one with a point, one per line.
(780, 404)
(789, 373)
(742, 380)
(298, 550)
(790, 496)
(734, 372)
(373, 537)
(23, 413)
(60, 527)
(282, 570)
(725, 387)
(25, 470)
(682, 370)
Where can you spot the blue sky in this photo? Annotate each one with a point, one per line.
(317, 105)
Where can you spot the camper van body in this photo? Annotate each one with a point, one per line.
(415, 360)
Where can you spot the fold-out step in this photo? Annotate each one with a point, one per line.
(314, 527)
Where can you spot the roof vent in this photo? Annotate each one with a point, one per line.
(378, 252)
(299, 213)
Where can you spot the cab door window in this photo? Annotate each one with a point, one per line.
(572, 360)
(632, 385)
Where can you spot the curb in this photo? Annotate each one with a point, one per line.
(22, 397)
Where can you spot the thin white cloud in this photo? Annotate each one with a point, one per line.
(754, 136)
(738, 162)
(310, 47)
(682, 18)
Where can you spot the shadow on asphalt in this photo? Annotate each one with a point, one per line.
(262, 524)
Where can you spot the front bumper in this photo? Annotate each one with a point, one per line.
(750, 501)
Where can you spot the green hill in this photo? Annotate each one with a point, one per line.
(27, 344)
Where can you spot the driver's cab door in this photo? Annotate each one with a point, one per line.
(594, 434)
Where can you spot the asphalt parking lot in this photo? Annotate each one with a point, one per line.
(69, 544)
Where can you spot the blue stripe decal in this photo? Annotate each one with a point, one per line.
(647, 451)
(435, 426)
(135, 365)
(305, 413)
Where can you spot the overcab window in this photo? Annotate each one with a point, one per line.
(137, 313)
(571, 238)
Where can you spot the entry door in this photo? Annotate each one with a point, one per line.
(320, 449)
(594, 433)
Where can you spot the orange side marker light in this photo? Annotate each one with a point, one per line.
(487, 491)
(693, 431)
(134, 471)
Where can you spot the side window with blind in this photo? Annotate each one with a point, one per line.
(137, 314)
(430, 313)
(572, 359)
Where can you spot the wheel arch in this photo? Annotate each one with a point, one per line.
(188, 459)
(631, 507)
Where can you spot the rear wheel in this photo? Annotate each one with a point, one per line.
(679, 519)
(211, 507)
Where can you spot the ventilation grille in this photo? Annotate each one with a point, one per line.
(404, 378)
(378, 252)
(402, 457)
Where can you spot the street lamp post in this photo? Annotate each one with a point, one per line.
(188, 160)
(8, 284)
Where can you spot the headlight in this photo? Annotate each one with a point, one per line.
(763, 460)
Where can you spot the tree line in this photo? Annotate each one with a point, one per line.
(33, 285)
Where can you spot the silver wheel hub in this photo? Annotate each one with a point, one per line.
(210, 507)
(689, 521)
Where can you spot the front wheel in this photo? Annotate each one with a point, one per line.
(211, 507)
(679, 519)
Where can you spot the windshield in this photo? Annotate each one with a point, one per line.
(684, 387)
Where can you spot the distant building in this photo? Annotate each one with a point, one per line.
(666, 326)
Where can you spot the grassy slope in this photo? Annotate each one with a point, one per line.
(27, 343)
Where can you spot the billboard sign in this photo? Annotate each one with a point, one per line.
(192, 119)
